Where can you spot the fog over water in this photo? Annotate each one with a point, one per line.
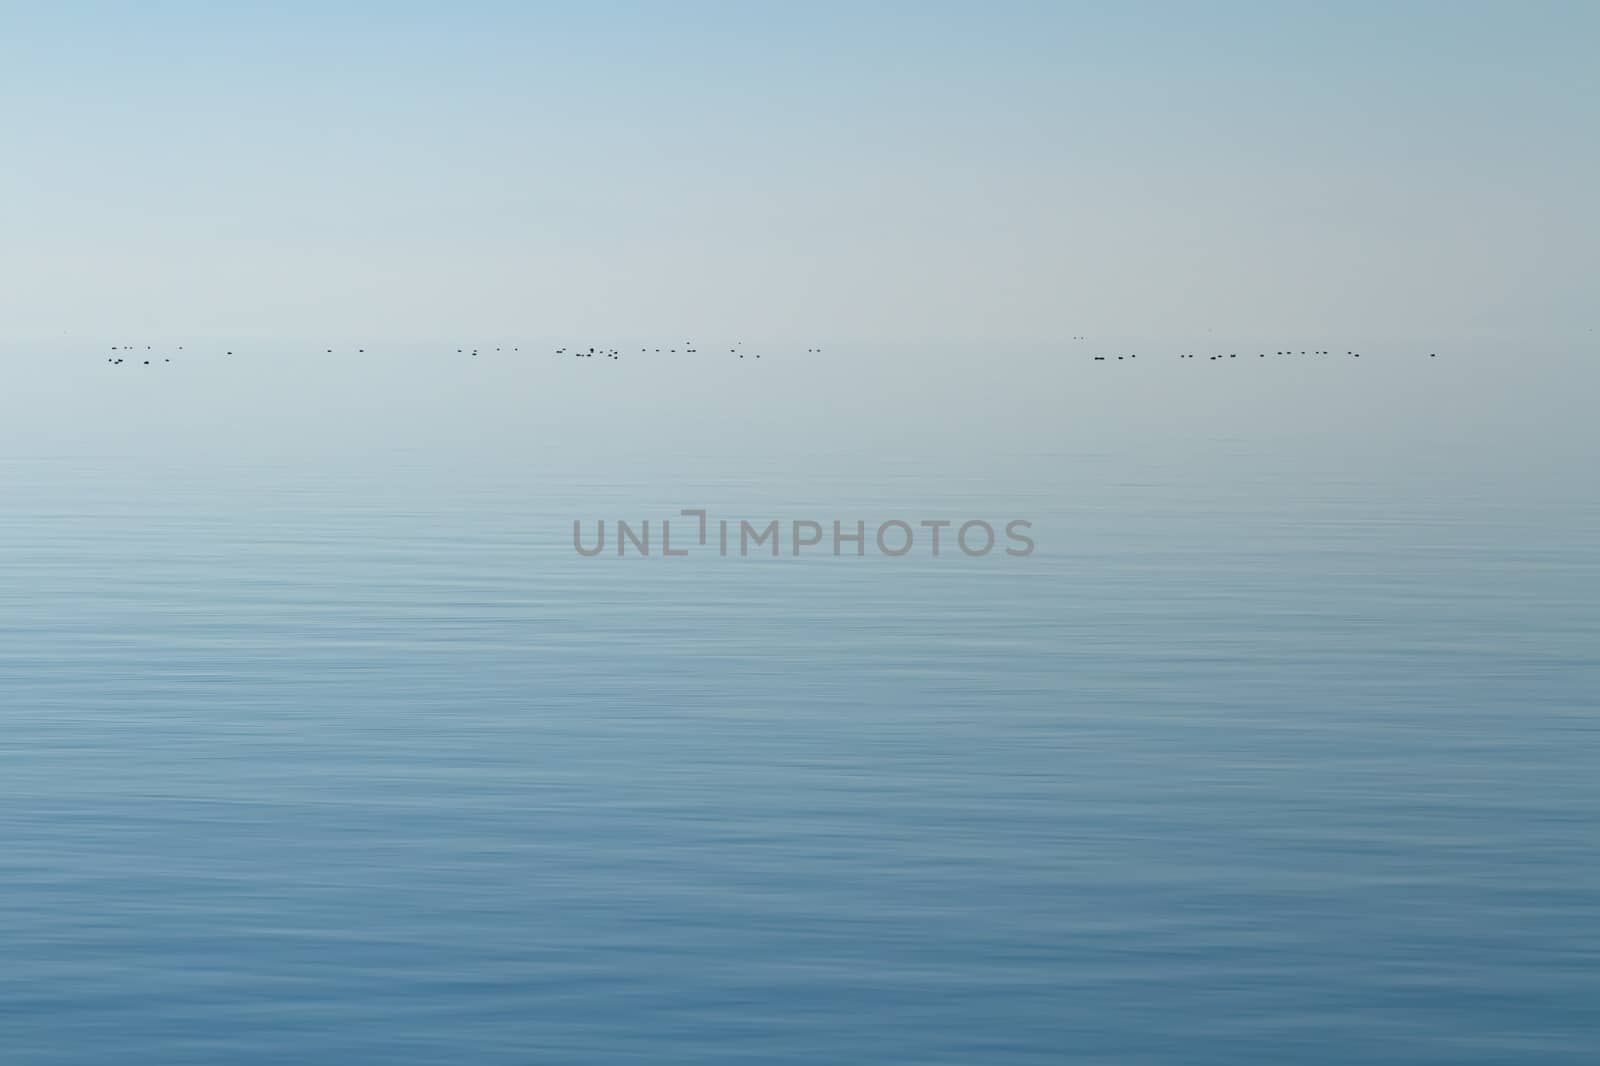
(320, 742)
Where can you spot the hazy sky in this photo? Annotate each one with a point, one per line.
(878, 172)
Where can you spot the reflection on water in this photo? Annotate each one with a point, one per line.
(304, 767)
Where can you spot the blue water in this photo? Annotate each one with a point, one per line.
(1251, 761)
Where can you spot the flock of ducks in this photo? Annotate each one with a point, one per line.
(1235, 355)
(687, 348)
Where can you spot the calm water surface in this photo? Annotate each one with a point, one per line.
(1258, 765)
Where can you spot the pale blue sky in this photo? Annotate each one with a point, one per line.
(866, 173)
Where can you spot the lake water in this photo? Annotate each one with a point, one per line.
(1262, 756)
